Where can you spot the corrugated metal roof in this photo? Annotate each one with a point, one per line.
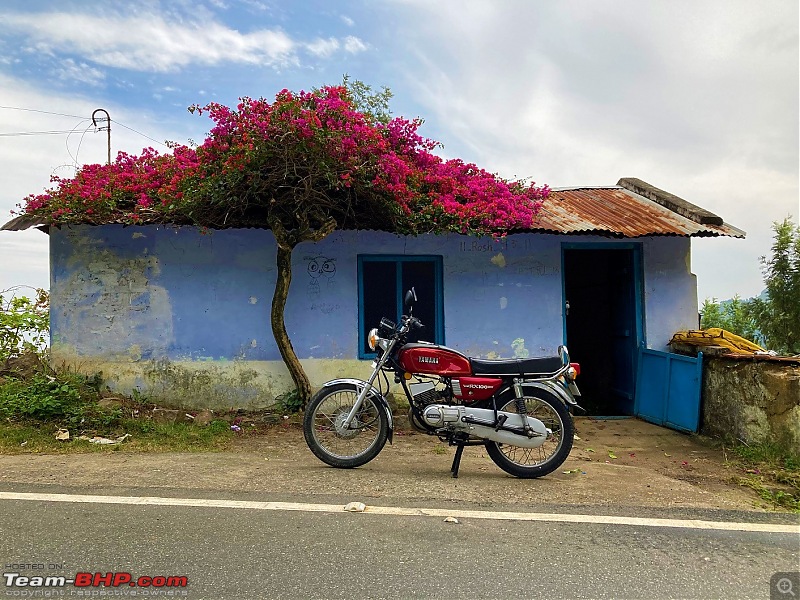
(23, 222)
(630, 209)
(618, 212)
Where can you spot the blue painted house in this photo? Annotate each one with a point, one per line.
(182, 314)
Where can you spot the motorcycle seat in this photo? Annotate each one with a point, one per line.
(516, 366)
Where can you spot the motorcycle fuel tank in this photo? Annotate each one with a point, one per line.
(433, 360)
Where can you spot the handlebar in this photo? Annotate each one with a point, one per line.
(414, 323)
(407, 325)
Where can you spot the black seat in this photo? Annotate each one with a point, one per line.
(516, 366)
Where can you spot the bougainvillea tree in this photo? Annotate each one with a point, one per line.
(302, 165)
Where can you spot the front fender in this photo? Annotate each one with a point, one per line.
(358, 385)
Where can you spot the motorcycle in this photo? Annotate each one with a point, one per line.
(519, 409)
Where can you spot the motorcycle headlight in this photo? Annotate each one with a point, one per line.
(372, 338)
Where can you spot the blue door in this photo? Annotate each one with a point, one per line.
(668, 389)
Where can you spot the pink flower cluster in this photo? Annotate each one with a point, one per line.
(256, 148)
(132, 189)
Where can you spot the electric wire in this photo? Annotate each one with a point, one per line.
(27, 133)
(45, 112)
(140, 133)
(67, 131)
(78, 149)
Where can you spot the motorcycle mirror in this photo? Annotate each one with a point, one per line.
(411, 297)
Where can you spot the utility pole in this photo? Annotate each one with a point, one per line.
(107, 128)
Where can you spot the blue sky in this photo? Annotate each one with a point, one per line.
(698, 98)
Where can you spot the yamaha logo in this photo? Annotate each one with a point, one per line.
(433, 415)
(429, 359)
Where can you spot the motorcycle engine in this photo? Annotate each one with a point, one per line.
(424, 394)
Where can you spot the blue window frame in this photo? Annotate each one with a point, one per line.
(382, 282)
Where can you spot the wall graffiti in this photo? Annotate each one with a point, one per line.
(320, 269)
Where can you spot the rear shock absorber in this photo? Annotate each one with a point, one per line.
(521, 408)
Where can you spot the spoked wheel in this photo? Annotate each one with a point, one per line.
(334, 443)
(535, 462)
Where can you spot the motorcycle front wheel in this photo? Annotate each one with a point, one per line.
(536, 462)
(332, 442)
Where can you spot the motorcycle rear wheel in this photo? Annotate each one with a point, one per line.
(336, 445)
(528, 463)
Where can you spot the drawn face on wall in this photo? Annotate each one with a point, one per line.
(321, 266)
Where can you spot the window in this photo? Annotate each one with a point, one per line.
(382, 283)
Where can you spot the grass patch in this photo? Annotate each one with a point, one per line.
(439, 449)
(35, 405)
(771, 471)
(145, 436)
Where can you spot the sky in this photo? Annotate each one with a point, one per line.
(697, 97)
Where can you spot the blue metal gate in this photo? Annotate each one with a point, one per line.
(668, 389)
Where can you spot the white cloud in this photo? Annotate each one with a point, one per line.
(151, 42)
(256, 5)
(69, 70)
(323, 48)
(354, 45)
(155, 42)
(347, 20)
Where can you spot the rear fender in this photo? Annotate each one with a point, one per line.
(551, 387)
(373, 392)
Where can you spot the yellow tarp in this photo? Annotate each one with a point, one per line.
(714, 336)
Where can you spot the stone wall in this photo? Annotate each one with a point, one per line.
(753, 401)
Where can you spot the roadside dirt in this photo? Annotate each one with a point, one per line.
(614, 463)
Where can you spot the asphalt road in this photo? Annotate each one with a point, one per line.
(246, 553)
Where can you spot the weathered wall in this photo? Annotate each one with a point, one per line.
(184, 316)
(670, 289)
(752, 401)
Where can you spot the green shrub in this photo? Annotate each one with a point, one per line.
(290, 402)
(65, 399)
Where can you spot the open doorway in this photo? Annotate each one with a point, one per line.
(603, 325)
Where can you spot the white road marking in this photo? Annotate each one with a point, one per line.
(406, 512)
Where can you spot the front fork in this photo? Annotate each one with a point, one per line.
(365, 390)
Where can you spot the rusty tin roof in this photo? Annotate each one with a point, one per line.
(630, 209)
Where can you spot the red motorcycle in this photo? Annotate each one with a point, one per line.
(517, 408)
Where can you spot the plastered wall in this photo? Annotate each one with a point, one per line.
(183, 315)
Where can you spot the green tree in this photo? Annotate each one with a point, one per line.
(24, 322)
(778, 316)
(734, 315)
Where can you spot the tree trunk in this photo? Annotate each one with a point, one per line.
(299, 377)
(286, 241)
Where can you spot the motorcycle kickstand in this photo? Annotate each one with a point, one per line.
(457, 460)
